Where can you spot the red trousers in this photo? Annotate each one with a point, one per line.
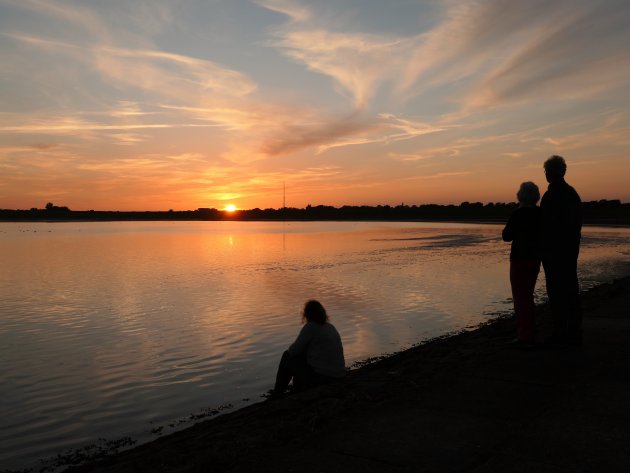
(523, 275)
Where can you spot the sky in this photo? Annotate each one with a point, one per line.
(182, 104)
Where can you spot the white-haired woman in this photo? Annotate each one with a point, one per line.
(524, 229)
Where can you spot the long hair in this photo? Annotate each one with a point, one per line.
(314, 312)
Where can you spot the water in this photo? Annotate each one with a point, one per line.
(114, 329)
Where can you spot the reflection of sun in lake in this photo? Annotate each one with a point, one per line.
(230, 208)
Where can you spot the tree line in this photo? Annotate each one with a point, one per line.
(601, 211)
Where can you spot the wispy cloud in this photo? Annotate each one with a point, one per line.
(603, 136)
(170, 74)
(493, 52)
(280, 131)
(358, 63)
(144, 162)
(408, 128)
(161, 73)
(129, 139)
(248, 118)
(406, 156)
(41, 42)
(126, 109)
(522, 51)
(585, 54)
(357, 129)
(68, 125)
(436, 176)
(293, 10)
(324, 135)
(77, 15)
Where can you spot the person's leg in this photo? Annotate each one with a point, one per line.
(530, 275)
(554, 276)
(523, 275)
(516, 281)
(574, 305)
(284, 374)
(292, 367)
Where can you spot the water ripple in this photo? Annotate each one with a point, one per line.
(109, 329)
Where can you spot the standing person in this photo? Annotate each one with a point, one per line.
(316, 356)
(523, 230)
(562, 225)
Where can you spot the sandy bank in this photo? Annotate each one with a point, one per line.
(462, 403)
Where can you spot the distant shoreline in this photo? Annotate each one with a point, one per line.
(597, 222)
(602, 212)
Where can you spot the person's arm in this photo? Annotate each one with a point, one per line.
(299, 346)
(508, 231)
(576, 212)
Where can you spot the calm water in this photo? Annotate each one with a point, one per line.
(111, 329)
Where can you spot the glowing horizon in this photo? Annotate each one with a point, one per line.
(131, 106)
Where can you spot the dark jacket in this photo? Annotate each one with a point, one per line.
(523, 229)
(561, 208)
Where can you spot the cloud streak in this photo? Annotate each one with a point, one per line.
(65, 125)
(562, 61)
(293, 10)
(358, 63)
(495, 51)
(523, 51)
(169, 73)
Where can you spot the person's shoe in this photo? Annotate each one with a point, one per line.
(273, 394)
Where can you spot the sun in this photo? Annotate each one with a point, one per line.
(230, 208)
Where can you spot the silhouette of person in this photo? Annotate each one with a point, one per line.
(523, 229)
(315, 357)
(561, 209)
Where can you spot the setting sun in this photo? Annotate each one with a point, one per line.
(230, 208)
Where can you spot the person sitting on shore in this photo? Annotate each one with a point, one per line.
(316, 356)
(524, 229)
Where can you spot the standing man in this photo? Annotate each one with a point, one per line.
(561, 209)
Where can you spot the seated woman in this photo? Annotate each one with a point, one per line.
(316, 356)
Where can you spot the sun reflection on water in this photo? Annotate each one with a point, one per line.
(139, 322)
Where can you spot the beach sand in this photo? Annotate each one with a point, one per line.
(465, 403)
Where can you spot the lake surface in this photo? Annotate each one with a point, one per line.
(118, 328)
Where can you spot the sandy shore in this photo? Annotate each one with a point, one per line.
(467, 402)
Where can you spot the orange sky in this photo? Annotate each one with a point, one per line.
(179, 105)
